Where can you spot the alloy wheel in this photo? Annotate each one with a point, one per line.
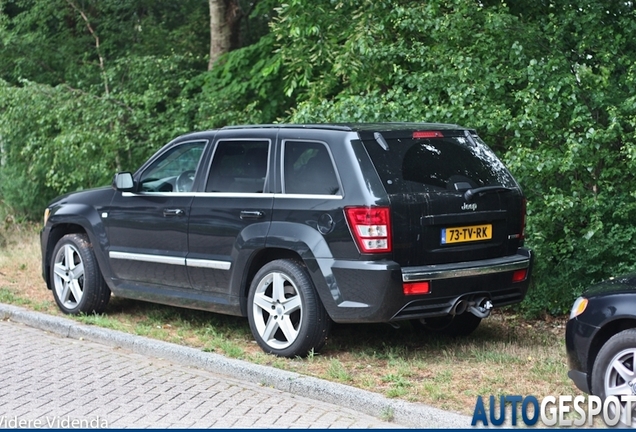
(277, 310)
(68, 276)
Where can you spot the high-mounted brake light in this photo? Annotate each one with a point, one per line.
(371, 227)
(427, 134)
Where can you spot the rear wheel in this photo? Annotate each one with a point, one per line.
(285, 314)
(76, 281)
(450, 325)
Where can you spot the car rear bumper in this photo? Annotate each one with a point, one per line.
(468, 269)
(358, 291)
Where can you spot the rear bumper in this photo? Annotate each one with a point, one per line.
(358, 291)
(489, 279)
(467, 269)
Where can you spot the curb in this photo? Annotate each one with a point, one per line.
(402, 413)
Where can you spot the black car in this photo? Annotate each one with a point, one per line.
(600, 339)
(296, 226)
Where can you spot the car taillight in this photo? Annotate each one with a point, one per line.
(371, 227)
(416, 288)
(519, 275)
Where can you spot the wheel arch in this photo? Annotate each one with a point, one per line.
(75, 219)
(257, 260)
(289, 240)
(602, 336)
(56, 233)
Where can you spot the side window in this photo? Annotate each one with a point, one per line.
(308, 169)
(174, 171)
(239, 166)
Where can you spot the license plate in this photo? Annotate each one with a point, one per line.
(466, 234)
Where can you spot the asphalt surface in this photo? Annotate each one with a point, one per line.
(55, 372)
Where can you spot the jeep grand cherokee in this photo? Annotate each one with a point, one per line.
(296, 226)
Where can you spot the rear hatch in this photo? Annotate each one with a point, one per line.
(451, 198)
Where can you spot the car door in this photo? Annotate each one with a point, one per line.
(231, 218)
(147, 229)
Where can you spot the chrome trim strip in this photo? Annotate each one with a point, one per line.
(232, 195)
(211, 264)
(456, 270)
(159, 259)
(159, 194)
(308, 196)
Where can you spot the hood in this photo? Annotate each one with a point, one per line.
(615, 285)
(72, 197)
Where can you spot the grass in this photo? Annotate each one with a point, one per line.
(506, 355)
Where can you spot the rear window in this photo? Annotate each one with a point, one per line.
(451, 163)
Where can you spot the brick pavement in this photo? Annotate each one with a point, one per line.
(55, 380)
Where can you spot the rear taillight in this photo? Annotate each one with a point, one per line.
(519, 275)
(371, 227)
(416, 288)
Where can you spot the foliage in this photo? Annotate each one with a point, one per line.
(550, 85)
(244, 88)
(98, 110)
(49, 42)
(60, 139)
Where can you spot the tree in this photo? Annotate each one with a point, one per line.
(231, 27)
(221, 18)
(106, 83)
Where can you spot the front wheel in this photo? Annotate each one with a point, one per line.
(614, 371)
(76, 281)
(285, 314)
(449, 325)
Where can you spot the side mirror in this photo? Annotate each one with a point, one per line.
(123, 182)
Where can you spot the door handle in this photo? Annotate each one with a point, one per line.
(173, 212)
(252, 214)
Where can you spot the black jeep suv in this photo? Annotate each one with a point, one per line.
(297, 226)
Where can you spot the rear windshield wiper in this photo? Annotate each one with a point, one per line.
(380, 140)
(470, 193)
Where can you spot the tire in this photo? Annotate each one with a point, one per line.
(285, 314)
(618, 354)
(76, 281)
(449, 325)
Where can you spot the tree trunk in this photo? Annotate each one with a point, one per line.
(219, 31)
(225, 19)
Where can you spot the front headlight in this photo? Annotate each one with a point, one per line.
(578, 307)
(47, 213)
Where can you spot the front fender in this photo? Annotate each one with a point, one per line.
(72, 218)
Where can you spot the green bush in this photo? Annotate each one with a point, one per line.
(550, 86)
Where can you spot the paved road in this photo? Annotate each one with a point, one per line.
(55, 380)
(55, 371)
